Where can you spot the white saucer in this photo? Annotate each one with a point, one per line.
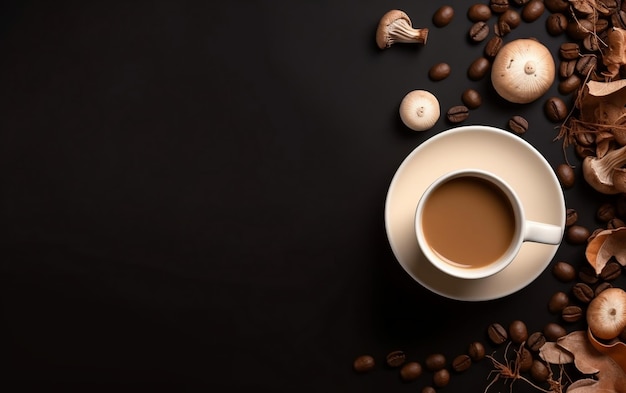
(481, 147)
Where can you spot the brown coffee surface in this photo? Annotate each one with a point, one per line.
(468, 221)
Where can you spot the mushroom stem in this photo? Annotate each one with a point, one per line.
(600, 172)
(401, 32)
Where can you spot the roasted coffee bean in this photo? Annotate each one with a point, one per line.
(441, 378)
(479, 12)
(518, 124)
(396, 358)
(601, 25)
(511, 18)
(583, 292)
(535, 341)
(499, 6)
(533, 10)
(609, 6)
(587, 275)
(586, 64)
(563, 271)
(479, 68)
(539, 372)
(471, 98)
(601, 287)
(558, 302)
(591, 44)
(555, 109)
(526, 360)
(439, 71)
(476, 351)
(429, 389)
(553, 331)
(461, 363)
(492, 47)
(567, 68)
(457, 114)
(497, 333)
(570, 84)
(579, 29)
(572, 313)
(569, 51)
(479, 31)
(518, 332)
(435, 361)
(571, 217)
(611, 271)
(577, 234)
(410, 371)
(615, 223)
(363, 363)
(443, 16)
(556, 24)
(606, 212)
(501, 28)
(566, 175)
(557, 5)
(520, 2)
(618, 19)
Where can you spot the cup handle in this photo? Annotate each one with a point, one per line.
(539, 232)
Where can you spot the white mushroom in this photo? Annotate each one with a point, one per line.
(606, 174)
(395, 26)
(522, 71)
(419, 110)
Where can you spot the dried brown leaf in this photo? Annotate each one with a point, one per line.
(605, 245)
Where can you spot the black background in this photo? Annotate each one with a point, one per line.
(191, 196)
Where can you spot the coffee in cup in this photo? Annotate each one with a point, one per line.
(471, 224)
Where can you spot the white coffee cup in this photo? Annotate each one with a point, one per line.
(471, 224)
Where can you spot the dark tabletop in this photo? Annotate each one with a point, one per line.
(192, 193)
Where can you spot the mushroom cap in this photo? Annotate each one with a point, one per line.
(382, 33)
(419, 110)
(523, 71)
(606, 313)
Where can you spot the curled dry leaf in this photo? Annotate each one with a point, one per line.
(605, 245)
(616, 350)
(608, 375)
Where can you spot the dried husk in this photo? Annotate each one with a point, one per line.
(605, 245)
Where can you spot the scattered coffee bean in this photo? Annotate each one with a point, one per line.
(520, 2)
(518, 124)
(601, 287)
(435, 361)
(591, 44)
(479, 68)
(555, 109)
(583, 292)
(471, 98)
(571, 217)
(479, 31)
(577, 234)
(439, 71)
(441, 378)
(492, 47)
(443, 16)
(533, 10)
(497, 333)
(557, 5)
(553, 331)
(601, 25)
(606, 212)
(461, 363)
(570, 84)
(526, 360)
(476, 351)
(396, 358)
(579, 29)
(564, 271)
(429, 389)
(511, 18)
(499, 6)
(586, 64)
(479, 13)
(572, 313)
(539, 371)
(535, 341)
(410, 371)
(556, 24)
(569, 51)
(611, 271)
(615, 223)
(566, 175)
(364, 363)
(457, 114)
(567, 68)
(558, 302)
(587, 275)
(518, 332)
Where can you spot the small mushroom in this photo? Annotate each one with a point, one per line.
(522, 71)
(395, 27)
(606, 174)
(606, 314)
(419, 110)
